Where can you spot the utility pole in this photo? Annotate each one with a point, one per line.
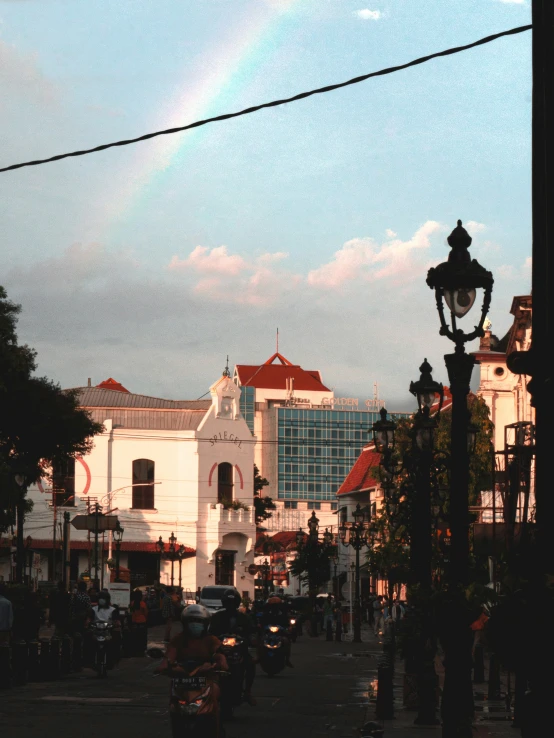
(55, 508)
(66, 551)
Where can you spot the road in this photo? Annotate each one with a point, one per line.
(326, 694)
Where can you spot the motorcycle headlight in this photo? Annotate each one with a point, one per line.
(230, 642)
(292, 621)
(274, 628)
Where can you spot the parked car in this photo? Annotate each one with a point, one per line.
(210, 596)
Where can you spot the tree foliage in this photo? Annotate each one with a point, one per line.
(312, 563)
(263, 505)
(40, 425)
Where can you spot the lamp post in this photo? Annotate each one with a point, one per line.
(171, 553)
(160, 545)
(355, 534)
(265, 574)
(181, 555)
(455, 283)
(118, 537)
(21, 482)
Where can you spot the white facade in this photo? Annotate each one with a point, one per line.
(187, 442)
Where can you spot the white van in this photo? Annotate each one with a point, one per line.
(210, 596)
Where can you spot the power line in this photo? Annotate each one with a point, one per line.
(274, 103)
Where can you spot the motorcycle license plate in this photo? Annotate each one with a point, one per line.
(191, 682)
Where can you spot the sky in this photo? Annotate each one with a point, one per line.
(151, 263)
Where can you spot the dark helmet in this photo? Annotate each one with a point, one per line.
(230, 599)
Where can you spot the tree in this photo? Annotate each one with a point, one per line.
(312, 563)
(40, 424)
(263, 506)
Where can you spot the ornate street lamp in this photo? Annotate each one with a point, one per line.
(118, 537)
(160, 545)
(313, 525)
(456, 282)
(171, 553)
(181, 551)
(355, 534)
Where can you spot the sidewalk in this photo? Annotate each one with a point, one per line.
(492, 718)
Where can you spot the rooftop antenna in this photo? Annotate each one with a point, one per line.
(226, 372)
(277, 349)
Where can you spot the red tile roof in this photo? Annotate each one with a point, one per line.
(274, 376)
(360, 476)
(111, 384)
(284, 540)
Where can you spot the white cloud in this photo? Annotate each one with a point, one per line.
(473, 227)
(22, 78)
(364, 259)
(366, 14)
(512, 2)
(216, 260)
(390, 233)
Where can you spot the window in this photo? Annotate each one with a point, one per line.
(143, 474)
(63, 482)
(334, 505)
(314, 505)
(225, 483)
(291, 505)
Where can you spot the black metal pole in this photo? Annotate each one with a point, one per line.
(180, 563)
(96, 515)
(117, 558)
(172, 565)
(19, 543)
(357, 624)
(66, 551)
(457, 707)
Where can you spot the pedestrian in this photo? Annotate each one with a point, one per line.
(59, 613)
(138, 613)
(378, 619)
(168, 613)
(80, 607)
(478, 628)
(397, 611)
(328, 609)
(370, 619)
(6, 616)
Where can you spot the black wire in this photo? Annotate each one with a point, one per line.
(274, 103)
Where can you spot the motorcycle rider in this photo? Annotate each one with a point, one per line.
(275, 613)
(231, 620)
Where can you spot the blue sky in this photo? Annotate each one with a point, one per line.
(150, 263)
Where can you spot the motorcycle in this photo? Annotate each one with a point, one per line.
(294, 625)
(101, 632)
(273, 656)
(194, 699)
(232, 647)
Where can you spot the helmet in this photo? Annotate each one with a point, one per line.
(230, 599)
(195, 614)
(274, 600)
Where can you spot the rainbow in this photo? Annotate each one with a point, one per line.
(225, 73)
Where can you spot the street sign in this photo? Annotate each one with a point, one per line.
(120, 593)
(252, 569)
(88, 522)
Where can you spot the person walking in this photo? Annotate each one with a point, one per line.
(6, 617)
(138, 614)
(328, 613)
(378, 619)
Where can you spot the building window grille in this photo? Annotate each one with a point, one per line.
(143, 474)
(63, 482)
(224, 483)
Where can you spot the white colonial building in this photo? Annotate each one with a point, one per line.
(164, 467)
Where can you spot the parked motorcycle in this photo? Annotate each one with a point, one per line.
(272, 652)
(101, 634)
(233, 648)
(194, 702)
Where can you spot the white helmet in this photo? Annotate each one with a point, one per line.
(195, 614)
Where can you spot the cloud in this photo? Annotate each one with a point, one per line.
(473, 227)
(512, 2)
(21, 78)
(363, 259)
(366, 14)
(233, 278)
(390, 233)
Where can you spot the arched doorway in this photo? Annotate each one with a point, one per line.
(225, 483)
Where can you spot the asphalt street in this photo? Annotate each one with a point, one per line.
(329, 693)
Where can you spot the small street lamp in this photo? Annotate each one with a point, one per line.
(355, 534)
(160, 545)
(118, 537)
(171, 553)
(456, 282)
(265, 574)
(180, 556)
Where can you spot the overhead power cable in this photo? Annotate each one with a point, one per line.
(273, 104)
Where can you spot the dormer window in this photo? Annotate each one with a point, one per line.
(226, 410)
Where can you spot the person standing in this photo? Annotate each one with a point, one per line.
(138, 613)
(168, 613)
(328, 612)
(6, 617)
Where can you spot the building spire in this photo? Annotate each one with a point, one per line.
(226, 372)
(277, 349)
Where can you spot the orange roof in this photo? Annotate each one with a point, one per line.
(111, 384)
(274, 376)
(360, 477)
